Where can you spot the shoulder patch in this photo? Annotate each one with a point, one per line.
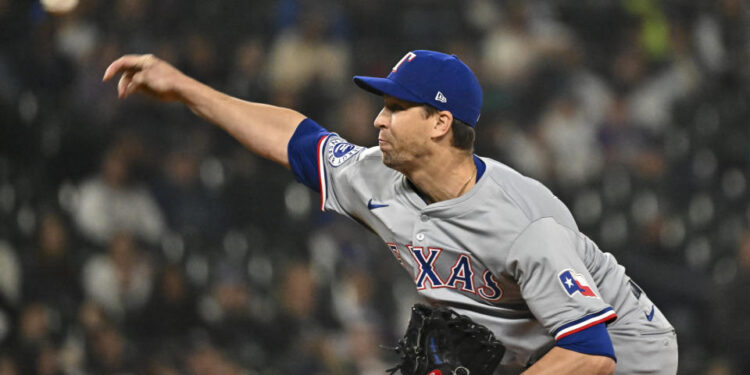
(340, 151)
(573, 282)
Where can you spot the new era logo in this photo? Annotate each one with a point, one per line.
(440, 97)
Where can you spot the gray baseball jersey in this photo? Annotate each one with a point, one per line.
(507, 253)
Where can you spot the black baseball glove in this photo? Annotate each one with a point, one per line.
(440, 342)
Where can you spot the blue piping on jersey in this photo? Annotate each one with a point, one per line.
(481, 166)
(607, 315)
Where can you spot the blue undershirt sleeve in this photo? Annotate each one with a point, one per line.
(593, 340)
(303, 153)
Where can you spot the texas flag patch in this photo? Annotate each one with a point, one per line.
(574, 282)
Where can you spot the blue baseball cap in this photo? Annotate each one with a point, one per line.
(434, 78)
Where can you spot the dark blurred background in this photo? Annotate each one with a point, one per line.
(137, 239)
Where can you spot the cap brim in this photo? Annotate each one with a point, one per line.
(384, 86)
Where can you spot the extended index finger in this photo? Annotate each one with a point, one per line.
(126, 62)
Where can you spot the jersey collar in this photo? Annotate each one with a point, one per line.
(417, 199)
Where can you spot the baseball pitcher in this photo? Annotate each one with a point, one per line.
(509, 278)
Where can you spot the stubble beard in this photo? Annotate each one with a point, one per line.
(399, 160)
(389, 160)
(393, 160)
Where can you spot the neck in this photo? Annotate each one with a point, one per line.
(444, 178)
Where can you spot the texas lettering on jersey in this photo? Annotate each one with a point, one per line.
(461, 276)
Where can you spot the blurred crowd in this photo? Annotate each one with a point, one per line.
(136, 239)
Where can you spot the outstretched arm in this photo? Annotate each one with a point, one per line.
(263, 129)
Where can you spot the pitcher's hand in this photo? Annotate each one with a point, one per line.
(148, 74)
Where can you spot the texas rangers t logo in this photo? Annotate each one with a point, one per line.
(574, 282)
(408, 57)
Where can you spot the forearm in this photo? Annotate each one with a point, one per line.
(559, 361)
(263, 129)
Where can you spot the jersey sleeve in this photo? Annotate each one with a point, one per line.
(303, 152)
(558, 289)
(329, 165)
(593, 340)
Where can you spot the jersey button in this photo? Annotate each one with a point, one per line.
(420, 236)
(424, 218)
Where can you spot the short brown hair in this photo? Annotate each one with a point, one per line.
(463, 134)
